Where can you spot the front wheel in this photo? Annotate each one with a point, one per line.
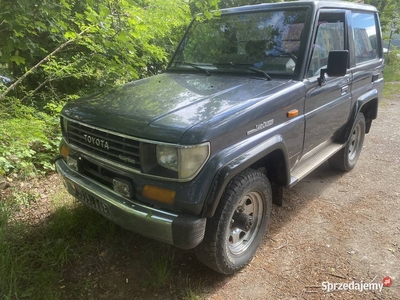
(346, 159)
(236, 230)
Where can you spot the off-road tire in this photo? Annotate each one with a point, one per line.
(346, 159)
(247, 201)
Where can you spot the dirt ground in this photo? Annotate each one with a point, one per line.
(332, 228)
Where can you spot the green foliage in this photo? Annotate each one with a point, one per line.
(24, 199)
(191, 293)
(106, 43)
(123, 40)
(234, 3)
(29, 139)
(161, 267)
(392, 61)
(5, 215)
(388, 12)
(206, 6)
(392, 73)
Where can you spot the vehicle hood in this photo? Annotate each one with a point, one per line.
(165, 106)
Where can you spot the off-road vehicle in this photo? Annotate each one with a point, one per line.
(252, 101)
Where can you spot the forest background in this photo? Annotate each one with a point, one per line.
(58, 50)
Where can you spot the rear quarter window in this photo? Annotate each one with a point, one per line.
(365, 37)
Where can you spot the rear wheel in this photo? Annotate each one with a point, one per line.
(346, 159)
(236, 230)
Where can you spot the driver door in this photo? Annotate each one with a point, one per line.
(327, 107)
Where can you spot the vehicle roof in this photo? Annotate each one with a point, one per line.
(317, 4)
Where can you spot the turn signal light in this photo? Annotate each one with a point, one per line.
(64, 151)
(158, 194)
(293, 113)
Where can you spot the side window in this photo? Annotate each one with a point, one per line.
(330, 36)
(365, 37)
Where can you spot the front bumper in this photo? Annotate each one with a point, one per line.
(183, 231)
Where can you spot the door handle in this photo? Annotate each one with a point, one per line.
(345, 89)
(375, 77)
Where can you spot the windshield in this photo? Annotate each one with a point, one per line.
(266, 40)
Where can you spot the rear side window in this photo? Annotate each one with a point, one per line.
(365, 37)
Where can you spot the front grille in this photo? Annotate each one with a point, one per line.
(96, 172)
(99, 173)
(110, 146)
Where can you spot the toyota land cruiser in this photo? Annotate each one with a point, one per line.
(252, 101)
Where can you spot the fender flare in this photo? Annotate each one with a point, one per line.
(237, 165)
(364, 99)
(359, 103)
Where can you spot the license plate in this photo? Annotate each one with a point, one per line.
(93, 202)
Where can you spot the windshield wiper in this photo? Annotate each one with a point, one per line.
(283, 52)
(193, 66)
(255, 70)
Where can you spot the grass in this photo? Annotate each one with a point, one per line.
(23, 198)
(51, 259)
(390, 90)
(161, 267)
(66, 254)
(190, 293)
(392, 75)
(392, 63)
(392, 72)
(31, 257)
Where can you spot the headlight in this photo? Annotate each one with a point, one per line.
(187, 161)
(167, 157)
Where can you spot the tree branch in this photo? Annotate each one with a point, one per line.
(40, 63)
(38, 88)
(51, 79)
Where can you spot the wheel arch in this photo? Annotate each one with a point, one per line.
(366, 104)
(270, 154)
(274, 167)
(370, 112)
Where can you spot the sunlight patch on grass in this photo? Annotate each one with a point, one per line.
(61, 198)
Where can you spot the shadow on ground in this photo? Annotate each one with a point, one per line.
(121, 264)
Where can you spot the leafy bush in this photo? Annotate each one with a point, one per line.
(60, 50)
(29, 139)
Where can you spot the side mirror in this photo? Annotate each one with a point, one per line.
(337, 65)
